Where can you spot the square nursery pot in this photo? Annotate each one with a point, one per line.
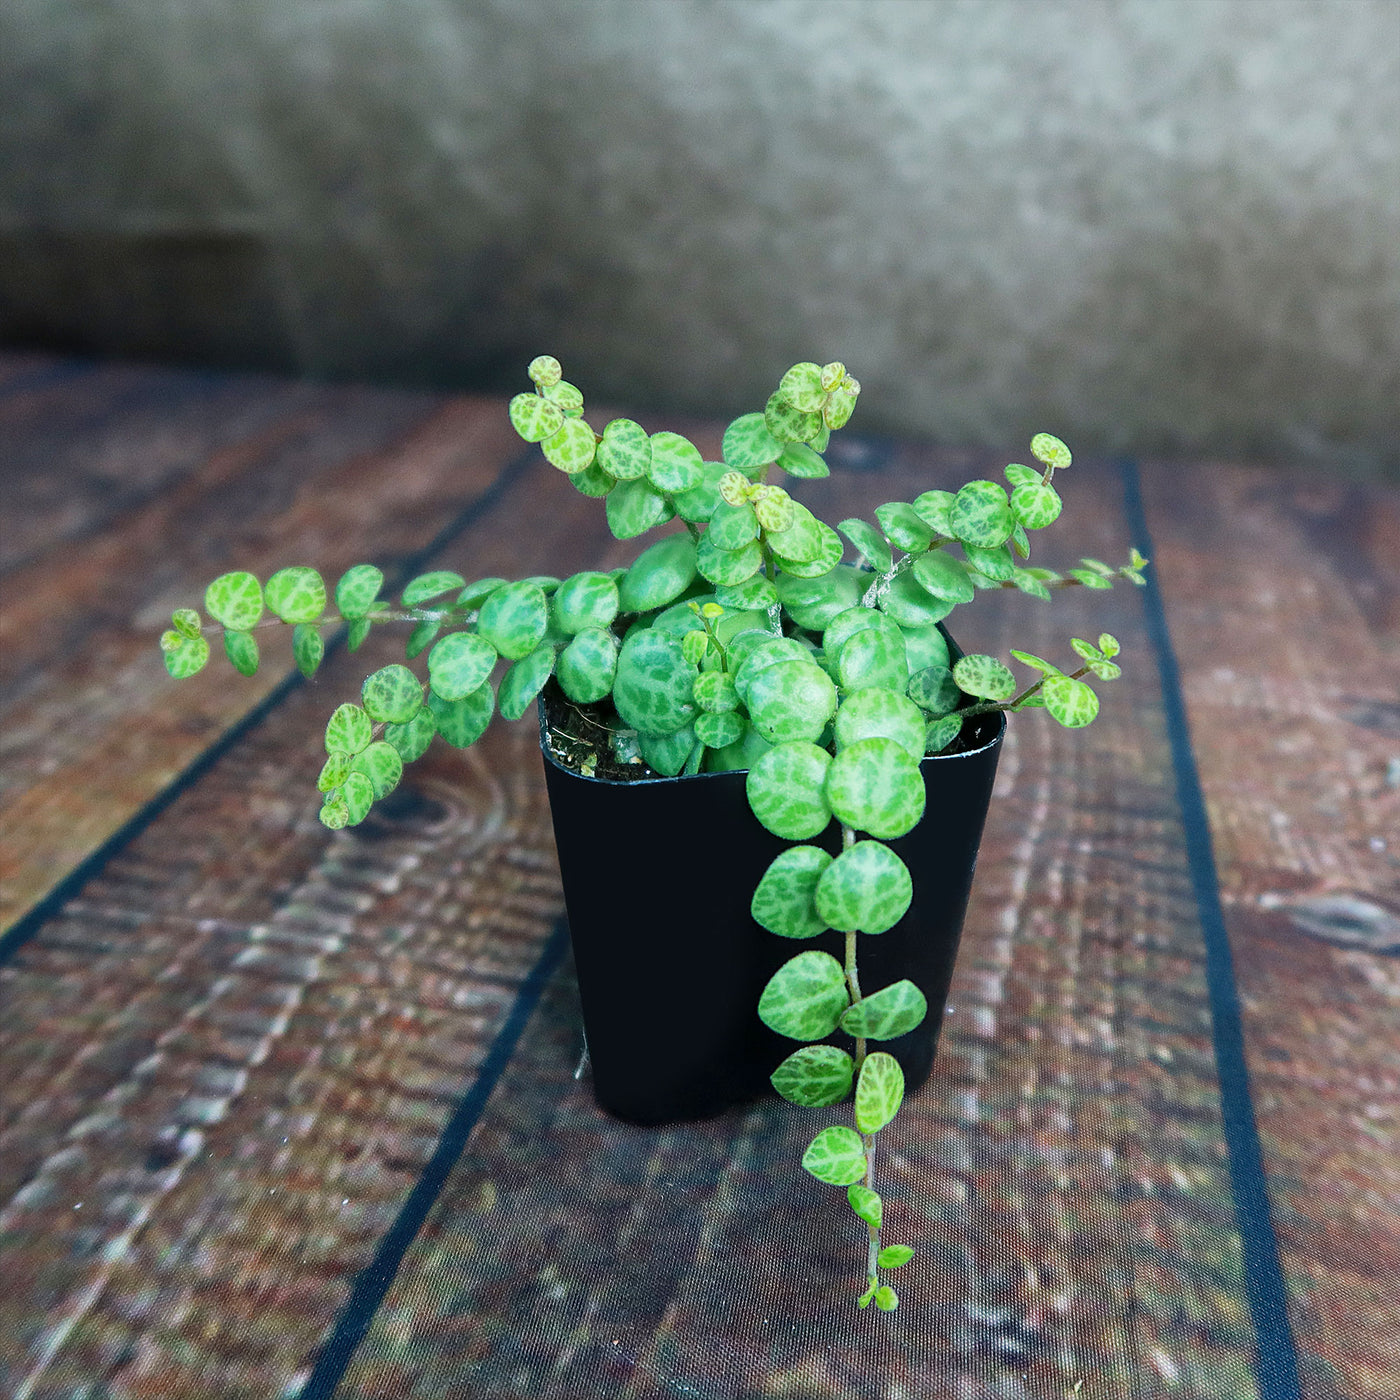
(658, 875)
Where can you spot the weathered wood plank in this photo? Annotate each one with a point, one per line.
(88, 731)
(1283, 595)
(241, 1042)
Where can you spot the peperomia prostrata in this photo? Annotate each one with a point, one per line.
(741, 641)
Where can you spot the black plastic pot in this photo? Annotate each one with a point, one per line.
(658, 876)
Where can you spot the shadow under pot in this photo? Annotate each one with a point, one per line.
(658, 877)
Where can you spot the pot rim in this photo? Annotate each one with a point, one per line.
(981, 749)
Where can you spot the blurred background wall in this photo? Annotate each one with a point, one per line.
(1153, 225)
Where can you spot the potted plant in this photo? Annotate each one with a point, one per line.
(790, 740)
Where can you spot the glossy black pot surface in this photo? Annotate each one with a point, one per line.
(658, 875)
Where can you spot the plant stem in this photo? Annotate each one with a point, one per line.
(991, 706)
(848, 839)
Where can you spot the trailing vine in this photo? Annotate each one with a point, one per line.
(742, 642)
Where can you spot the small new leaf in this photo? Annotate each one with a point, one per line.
(894, 1256)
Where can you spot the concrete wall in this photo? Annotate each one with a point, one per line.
(1155, 225)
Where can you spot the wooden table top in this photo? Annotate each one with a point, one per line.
(287, 1112)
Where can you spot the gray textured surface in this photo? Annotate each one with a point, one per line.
(1156, 225)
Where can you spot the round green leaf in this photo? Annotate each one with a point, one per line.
(805, 997)
(841, 628)
(774, 510)
(991, 563)
(411, 740)
(184, 656)
(827, 556)
(586, 666)
(873, 656)
(935, 691)
(815, 1076)
(879, 1092)
(585, 600)
(428, 586)
(981, 515)
(235, 600)
(786, 790)
(943, 577)
(728, 566)
(886, 1299)
(894, 1256)
(789, 424)
(457, 665)
(357, 792)
(653, 686)
(755, 592)
(732, 527)
(382, 764)
(800, 460)
(661, 573)
(668, 754)
(814, 602)
(475, 594)
(462, 722)
(333, 772)
(801, 386)
(296, 595)
(334, 813)
(892, 1011)
(186, 622)
(936, 507)
(875, 711)
(544, 370)
(633, 507)
(875, 786)
(694, 645)
(307, 648)
(568, 396)
(358, 588)
(836, 1156)
(241, 648)
(719, 731)
(767, 650)
(985, 677)
(1047, 448)
(749, 444)
(392, 695)
(792, 700)
(785, 900)
(924, 646)
(675, 463)
(523, 681)
(867, 888)
(715, 692)
(698, 504)
(840, 404)
(625, 451)
(514, 619)
(1019, 475)
(1069, 701)
(572, 446)
(942, 731)
(534, 417)
(873, 547)
(348, 730)
(911, 605)
(866, 1204)
(422, 636)
(904, 526)
(1036, 505)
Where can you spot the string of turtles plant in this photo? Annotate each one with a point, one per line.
(742, 641)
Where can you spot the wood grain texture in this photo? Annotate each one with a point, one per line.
(1283, 596)
(226, 1059)
(89, 729)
